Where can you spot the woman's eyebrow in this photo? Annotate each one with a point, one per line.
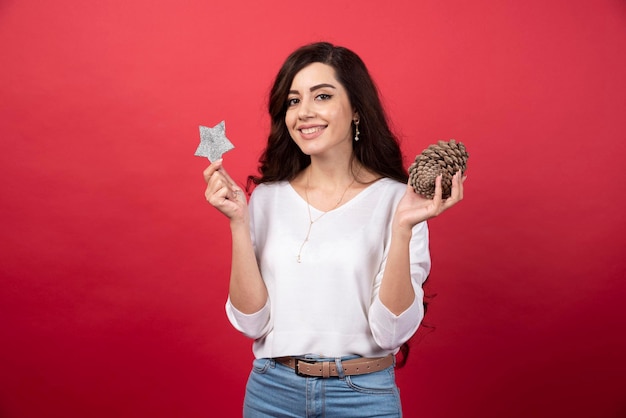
(315, 87)
(321, 86)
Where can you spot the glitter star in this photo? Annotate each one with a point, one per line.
(213, 142)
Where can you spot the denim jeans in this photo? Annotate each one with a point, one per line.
(274, 390)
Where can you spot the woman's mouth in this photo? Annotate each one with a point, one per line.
(311, 130)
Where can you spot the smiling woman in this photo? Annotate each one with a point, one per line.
(331, 252)
(319, 114)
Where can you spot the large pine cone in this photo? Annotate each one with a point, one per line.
(442, 158)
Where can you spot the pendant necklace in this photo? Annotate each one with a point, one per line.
(311, 220)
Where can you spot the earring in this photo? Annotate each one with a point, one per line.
(356, 132)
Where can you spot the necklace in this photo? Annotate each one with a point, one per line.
(311, 220)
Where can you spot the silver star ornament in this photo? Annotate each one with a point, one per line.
(213, 142)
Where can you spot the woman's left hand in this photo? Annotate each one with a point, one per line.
(414, 208)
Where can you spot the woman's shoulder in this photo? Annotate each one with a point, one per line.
(265, 190)
(382, 190)
(390, 185)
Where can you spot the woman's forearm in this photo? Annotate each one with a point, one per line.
(247, 290)
(396, 289)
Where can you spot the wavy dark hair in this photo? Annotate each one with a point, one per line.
(378, 148)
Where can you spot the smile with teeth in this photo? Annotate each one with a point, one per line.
(311, 130)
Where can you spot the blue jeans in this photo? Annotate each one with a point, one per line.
(274, 390)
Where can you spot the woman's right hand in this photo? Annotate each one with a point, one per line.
(224, 194)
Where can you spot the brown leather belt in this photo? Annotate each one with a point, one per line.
(326, 369)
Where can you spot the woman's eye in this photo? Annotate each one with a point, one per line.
(323, 96)
(292, 102)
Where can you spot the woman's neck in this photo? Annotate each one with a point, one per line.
(331, 174)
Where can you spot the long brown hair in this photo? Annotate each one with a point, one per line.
(378, 148)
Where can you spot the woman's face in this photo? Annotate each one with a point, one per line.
(319, 114)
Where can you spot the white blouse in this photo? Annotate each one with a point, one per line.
(328, 303)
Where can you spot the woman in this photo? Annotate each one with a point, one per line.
(329, 256)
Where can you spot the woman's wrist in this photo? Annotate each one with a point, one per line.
(237, 224)
(402, 231)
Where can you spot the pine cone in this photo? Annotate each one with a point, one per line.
(442, 158)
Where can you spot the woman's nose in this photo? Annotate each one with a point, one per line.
(305, 110)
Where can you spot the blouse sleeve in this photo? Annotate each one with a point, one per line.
(390, 331)
(255, 325)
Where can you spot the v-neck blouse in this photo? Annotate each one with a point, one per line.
(328, 303)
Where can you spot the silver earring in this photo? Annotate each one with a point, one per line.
(356, 132)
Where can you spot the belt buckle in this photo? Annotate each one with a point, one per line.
(297, 369)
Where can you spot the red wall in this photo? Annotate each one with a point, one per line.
(114, 270)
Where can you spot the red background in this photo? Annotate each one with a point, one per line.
(114, 269)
